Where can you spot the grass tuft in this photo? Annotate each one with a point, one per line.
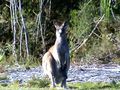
(40, 83)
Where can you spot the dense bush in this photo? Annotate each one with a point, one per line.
(82, 16)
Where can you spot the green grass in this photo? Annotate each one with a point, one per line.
(94, 86)
(44, 85)
(39, 83)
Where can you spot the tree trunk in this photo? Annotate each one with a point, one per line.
(13, 25)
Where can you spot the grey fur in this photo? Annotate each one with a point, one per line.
(56, 61)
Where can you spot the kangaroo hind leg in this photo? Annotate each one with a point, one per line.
(53, 71)
(49, 67)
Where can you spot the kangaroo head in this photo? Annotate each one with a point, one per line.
(60, 28)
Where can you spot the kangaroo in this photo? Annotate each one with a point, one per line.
(56, 60)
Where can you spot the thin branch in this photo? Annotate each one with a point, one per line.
(23, 29)
(13, 26)
(41, 27)
(86, 39)
(97, 35)
(113, 14)
(37, 24)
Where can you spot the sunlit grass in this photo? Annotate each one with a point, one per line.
(44, 84)
(94, 86)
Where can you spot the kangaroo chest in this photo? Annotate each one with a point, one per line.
(60, 52)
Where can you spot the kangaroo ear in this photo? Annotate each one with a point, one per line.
(56, 24)
(64, 25)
